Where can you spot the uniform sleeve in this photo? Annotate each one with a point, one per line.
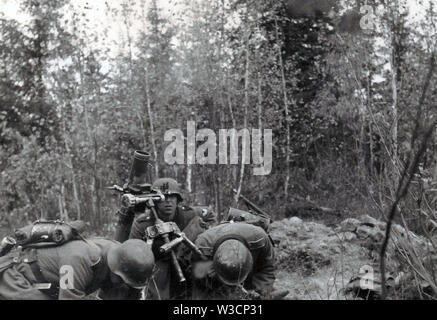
(200, 276)
(124, 225)
(184, 252)
(139, 226)
(194, 228)
(208, 216)
(264, 274)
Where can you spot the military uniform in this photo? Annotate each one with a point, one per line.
(22, 272)
(190, 220)
(261, 277)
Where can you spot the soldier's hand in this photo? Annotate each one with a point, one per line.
(203, 269)
(208, 216)
(125, 214)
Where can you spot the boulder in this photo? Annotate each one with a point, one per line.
(291, 233)
(295, 221)
(348, 236)
(349, 225)
(399, 231)
(372, 222)
(335, 250)
(279, 237)
(364, 232)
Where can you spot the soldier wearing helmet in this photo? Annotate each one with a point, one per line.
(191, 222)
(238, 254)
(75, 270)
(133, 223)
(168, 210)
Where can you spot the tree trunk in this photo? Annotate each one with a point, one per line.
(88, 133)
(395, 117)
(63, 214)
(189, 176)
(96, 183)
(152, 130)
(246, 108)
(234, 125)
(285, 99)
(73, 175)
(260, 124)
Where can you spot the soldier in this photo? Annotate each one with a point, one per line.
(239, 255)
(165, 284)
(76, 269)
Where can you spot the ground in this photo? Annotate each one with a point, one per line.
(318, 262)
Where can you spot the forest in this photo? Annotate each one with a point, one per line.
(348, 89)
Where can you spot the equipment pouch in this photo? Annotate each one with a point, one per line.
(47, 233)
(8, 261)
(238, 215)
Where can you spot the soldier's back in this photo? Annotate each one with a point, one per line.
(79, 256)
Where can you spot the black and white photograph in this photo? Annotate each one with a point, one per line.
(240, 153)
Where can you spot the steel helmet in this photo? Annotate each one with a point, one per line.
(133, 261)
(168, 186)
(232, 262)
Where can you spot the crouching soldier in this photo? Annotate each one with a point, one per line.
(76, 269)
(238, 257)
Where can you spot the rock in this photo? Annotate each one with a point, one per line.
(364, 232)
(348, 236)
(304, 237)
(342, 236)
(349, 224)
(335, 250)
(278, 236)
(372, 222)
(308, 252)
(378, 236)
(318, 228)
(291, 233)
(277, 225)
(407, 239)
(323, 245)
(400, 231)
(337, 229)
(295, 221)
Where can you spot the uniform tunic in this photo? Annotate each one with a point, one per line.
(86, 259)
(262, 276)
(165, 284)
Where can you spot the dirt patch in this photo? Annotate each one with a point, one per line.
(303, 262)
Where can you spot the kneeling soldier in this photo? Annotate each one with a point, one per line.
(76, 269)
(237, 255)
